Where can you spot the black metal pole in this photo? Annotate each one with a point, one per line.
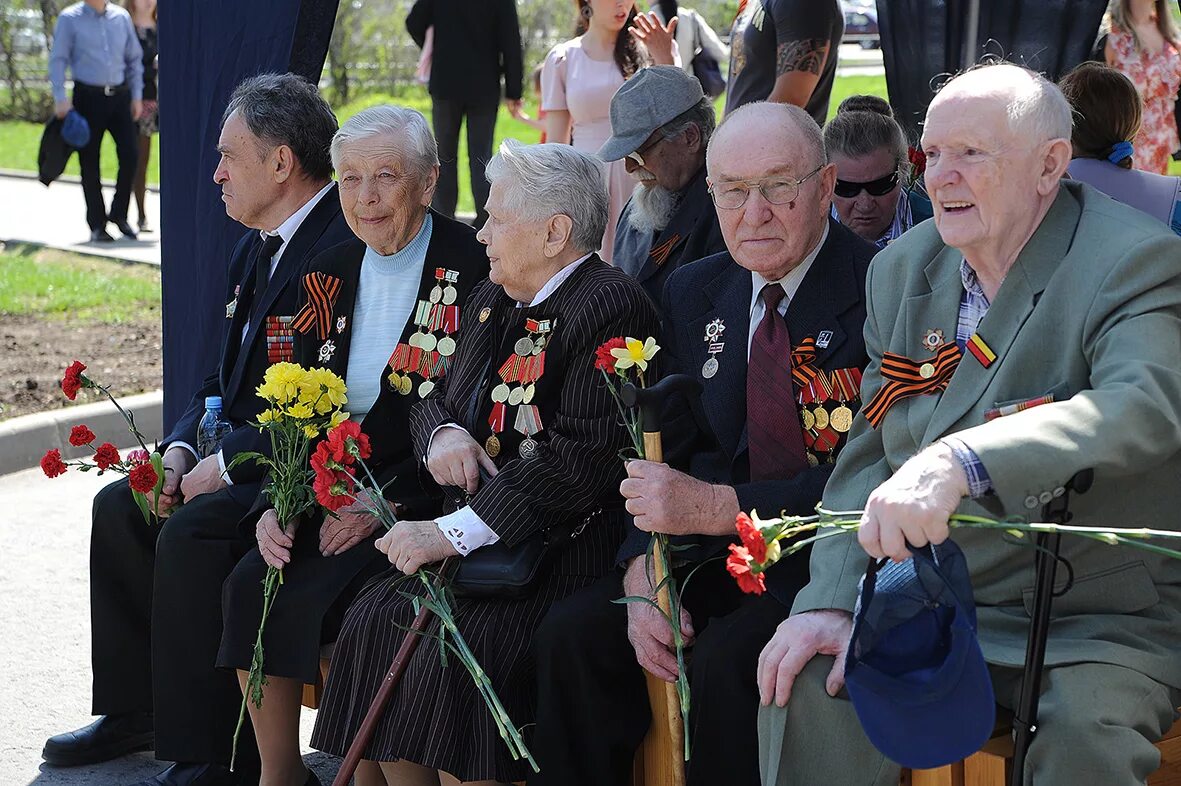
(1057, 511)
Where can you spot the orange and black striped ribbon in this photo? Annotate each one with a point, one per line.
(322, 290)
(660, 253)
(803, 359)
(904, 379)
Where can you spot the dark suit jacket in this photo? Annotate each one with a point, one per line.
(707, 438)
(453, 246)
(243, 363)
(692, 233)
(475, 42)
(576, 470)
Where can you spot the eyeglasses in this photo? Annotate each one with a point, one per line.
(847, 189)
(776, 190)
(638, 155)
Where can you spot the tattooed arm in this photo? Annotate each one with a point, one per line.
(797, 70)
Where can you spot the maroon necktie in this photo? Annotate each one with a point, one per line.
(774, 437)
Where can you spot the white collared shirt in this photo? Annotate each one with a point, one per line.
(790, 283)
(467, 531)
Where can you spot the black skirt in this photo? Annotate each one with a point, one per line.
(308, 608)
(436, 717)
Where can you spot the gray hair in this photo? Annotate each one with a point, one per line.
(285, 109)
(794, 116)
(1036, 108)
(555, 179)
(857, 132)
(700, 114)
(408, 127)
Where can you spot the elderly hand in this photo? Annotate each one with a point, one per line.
(454, 459)
(352, 525)
(412, 544)
(177, 463)
(796, 641)
(205, 478)
(659, 39)
(647, 629)
(914, 505)
(273, 543)
(664, 500)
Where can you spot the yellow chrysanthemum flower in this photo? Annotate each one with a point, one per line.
(325, 389)
(635, 354)
(281, 383)
(267, 415)
(301, 411)
(338, 417)
(311, 432)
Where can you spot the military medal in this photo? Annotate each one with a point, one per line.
(425, 388)
(932, 340)
(327, 350)
(232, 306)
(485, 312)
(823, 339)
(713, 332)
(524, 346)
(446, 346)
(841, 419)
(820, 415)
(280, 338)
(528, 423)
(927, 370)
(492, 446)
(425, 352)
(449, 291)
(806, 419)
(519, 374)
(340, 323)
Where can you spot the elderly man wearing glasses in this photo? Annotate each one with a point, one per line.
(786, 296)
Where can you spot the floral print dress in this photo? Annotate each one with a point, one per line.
(1157, 76)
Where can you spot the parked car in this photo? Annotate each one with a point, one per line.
(861, 24)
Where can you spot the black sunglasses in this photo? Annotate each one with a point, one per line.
(847, 189)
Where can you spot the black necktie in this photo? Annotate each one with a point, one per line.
(262, 274)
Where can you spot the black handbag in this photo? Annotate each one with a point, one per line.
(510, 572)
(709, 74)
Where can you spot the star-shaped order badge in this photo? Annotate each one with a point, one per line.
(713, 335)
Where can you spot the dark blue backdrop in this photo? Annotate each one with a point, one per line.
(206, 48)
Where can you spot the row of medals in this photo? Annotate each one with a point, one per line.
(516, 396)
(427, 342)
(818, 419)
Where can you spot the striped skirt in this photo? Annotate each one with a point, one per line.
(436, 717)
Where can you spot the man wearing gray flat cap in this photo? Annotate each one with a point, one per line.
(661, 123)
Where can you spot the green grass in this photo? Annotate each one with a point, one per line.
(19, 141)
(59, 284)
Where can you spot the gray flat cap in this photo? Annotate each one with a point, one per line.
(651, 98)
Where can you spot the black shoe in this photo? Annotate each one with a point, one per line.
(181, 774)
(100, 236)
(312, 780)
(126, 229)
(107, 738)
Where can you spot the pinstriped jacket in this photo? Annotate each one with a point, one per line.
(576, 469)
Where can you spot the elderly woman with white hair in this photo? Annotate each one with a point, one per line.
(387, 321)
(524, 438)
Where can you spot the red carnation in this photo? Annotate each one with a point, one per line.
(73, 381)
(347, 442)
(107, 456)
(138, 456)
(81, 435)
(334, 490)
(918, 161)
(752, 538)
(52, 464)
(604, 360)
(738, 566)
(142, 478)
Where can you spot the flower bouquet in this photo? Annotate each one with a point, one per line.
(624, 361)
(301, 404)
(336, 463)
(766, 541)
(144, 468)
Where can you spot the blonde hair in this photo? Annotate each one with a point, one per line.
(1120, 15)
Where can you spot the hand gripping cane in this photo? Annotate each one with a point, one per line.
(663, 762)
(1057, 511)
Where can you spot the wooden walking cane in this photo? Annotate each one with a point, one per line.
(1057, 511)
(386, 692)
(661, 754)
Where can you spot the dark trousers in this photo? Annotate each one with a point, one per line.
(593, 709)
(106, 113)
(447, 115)
(156, 621)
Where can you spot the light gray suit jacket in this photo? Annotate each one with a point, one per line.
(1090, 313)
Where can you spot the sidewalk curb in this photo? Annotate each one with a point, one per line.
(24, 174)
(24, 440)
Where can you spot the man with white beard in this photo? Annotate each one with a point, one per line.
(661, 123)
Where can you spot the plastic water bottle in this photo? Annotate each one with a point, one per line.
(212, 428)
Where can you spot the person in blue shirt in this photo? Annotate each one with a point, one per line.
(96, 41)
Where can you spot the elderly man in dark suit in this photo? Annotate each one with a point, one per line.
(276, 178)
(661, 123)
(772, 328)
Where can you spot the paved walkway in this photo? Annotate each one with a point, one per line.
(45, 640)
(55, 216)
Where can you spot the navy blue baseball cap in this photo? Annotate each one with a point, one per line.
(915, 672)
(75, 130)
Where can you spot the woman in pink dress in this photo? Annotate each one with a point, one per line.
(1143, 45)
(581, 75)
